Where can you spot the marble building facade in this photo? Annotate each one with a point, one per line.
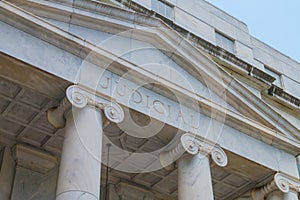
(143, 99)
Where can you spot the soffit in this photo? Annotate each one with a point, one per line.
(23, 118)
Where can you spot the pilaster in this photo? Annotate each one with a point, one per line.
(35, 174)
(33, 159)
(7, 170)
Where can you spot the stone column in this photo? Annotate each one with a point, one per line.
(282, 186)
(291, 195)
(275, 195)
(194, 176)
(80, 166)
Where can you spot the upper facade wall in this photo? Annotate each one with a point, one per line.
(204, 20)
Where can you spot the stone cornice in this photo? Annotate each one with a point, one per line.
(79, 47)
(280, 93)
(211, 49)
(220, 55)
(284, 101)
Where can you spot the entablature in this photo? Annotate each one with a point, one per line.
(195, 60)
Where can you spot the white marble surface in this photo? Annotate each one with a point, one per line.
(291, 196)
(276, 195)
(194, 178)
(80, 167)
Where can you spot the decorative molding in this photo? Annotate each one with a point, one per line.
(220, 56)
(114, 112)
(282, 182)
(286, 183)
(191, 144)
(79, 98)
(56, 115)
(284, 96)
(211, 49)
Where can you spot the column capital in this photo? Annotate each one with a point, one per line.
(79, 97)
(282, 182)
(191, 144)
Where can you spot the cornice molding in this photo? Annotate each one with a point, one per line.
(208, 47)
(220, 56)
(280, 93)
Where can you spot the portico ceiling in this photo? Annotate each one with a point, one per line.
(23, 117)
(23, 120)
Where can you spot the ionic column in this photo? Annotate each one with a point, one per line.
(80, 166)
(281, 187)
(275, 195)
(194, 176)
(291, 195)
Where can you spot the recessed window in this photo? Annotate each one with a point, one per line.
(276, 75)
(163, 8)
(225, 42)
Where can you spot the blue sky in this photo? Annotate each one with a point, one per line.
(275, 22)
